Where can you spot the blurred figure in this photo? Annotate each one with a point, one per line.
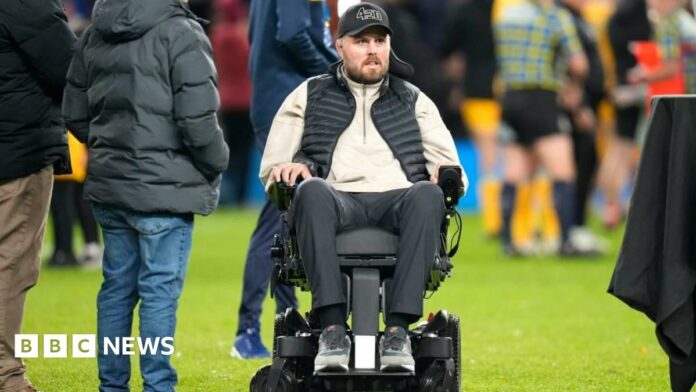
(36, 45)
(675, 30)
(228, 36)
(67, 203)
(628, 24)
(470, 33)
(156, 153)
(531, 36)
(290, 41)
(584, 123)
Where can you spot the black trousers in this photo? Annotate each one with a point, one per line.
(585, 154)
(416, 214)
(67, 204)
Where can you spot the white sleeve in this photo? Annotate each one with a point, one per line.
(286, 133)
(437, 139)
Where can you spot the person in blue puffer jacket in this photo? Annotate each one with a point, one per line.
(290, 42)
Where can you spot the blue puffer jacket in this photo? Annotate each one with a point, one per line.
(290, 42)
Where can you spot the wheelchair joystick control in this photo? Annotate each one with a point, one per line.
(450, 181)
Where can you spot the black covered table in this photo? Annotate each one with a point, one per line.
(656, 268)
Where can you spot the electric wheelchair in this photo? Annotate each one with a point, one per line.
(367, 258)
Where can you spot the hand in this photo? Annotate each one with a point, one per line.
(289, 172)
(585, 119)
(636, 75)
(570, 96)
(434, 176)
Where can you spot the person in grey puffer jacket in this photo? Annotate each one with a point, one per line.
(142, 93)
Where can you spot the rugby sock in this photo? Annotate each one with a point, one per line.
(548, 220)
(507, 205)
(490, 206)
(564, 202)
(523, 217)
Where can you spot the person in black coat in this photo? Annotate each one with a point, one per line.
(35, 50)
(142, 93)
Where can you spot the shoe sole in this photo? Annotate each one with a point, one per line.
(397, 367)
(332, 364)
(236, 354)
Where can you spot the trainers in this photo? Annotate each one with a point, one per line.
(334, 350)
(91, 257)
(61, 259)
(248, 345)
(584, 239)
(395, 351)
(570, 250)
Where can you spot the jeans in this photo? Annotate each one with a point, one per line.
(145, 259)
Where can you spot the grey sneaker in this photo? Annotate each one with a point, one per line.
(395, 351)
(334, 350)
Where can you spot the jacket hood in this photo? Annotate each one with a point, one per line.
(126, 20)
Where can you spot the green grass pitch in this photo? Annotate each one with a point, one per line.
(539, 324)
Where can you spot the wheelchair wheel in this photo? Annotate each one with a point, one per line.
(453, 331)
(438, 377)
(279, 329)
(260, 379)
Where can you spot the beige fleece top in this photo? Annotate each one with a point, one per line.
(362, 160)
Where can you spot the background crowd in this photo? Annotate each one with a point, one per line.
(634, 49)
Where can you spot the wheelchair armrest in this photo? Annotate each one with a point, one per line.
(450, 181)
(281, 195)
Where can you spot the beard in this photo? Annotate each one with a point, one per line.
(360, 75)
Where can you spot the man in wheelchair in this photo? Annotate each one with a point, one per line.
(367, 146)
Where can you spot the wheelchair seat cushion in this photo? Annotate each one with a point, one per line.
(367, 241)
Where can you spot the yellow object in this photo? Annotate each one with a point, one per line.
(78, 160)
(547, 220)
(482, 116)
(535, 213)
(499, 6)
(490, 207)
(523, 217)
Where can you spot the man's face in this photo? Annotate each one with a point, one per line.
(366, 55)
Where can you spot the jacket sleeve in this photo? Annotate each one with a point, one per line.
(285, 137)
(196, 101)
(438, 144)
(75, 101)
(41, 32)
(294, 21)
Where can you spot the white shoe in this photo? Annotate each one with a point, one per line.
(585, 240)
(91, 257)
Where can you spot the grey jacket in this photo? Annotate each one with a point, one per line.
(142, 93)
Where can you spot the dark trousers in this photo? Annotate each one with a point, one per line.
(319, 212)
(585, 153)
(257, 272)
(239, 135)
(67, 204)
(259, 265)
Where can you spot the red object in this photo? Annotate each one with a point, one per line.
(228, 37)
(648, 56)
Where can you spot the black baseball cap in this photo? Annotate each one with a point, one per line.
(361, 16)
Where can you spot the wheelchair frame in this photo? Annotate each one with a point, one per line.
(435, 343)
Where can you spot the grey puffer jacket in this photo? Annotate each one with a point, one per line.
(142, 93)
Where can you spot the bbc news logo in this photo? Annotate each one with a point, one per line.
(85, 346)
